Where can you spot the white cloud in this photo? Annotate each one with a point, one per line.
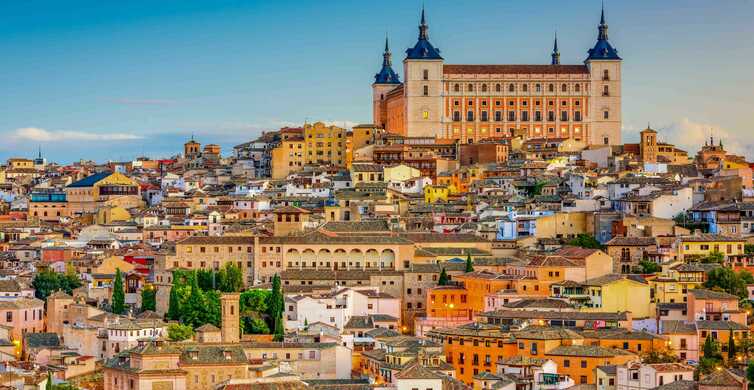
(690, 136)
(43, 135)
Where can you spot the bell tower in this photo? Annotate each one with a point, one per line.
(230, 327)
(604, 66)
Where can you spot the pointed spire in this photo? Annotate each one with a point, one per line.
(603, 25)
(555, 53)
(387, 56)
(39, 156)
(423, 27)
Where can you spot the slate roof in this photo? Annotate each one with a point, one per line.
(41, 340)
(89, 181)
(515, 69)
(711, 294)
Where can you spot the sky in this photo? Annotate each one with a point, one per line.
(107, 80)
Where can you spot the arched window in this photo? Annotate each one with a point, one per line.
(497, 87)
(551, 88)
(577, 87)
(470, 87)
(525, 87)
(564, 88)
(456, 88)
(511, 88)
(484, 87)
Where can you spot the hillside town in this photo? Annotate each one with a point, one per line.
(489, 230)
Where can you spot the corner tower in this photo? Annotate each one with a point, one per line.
(605, 73)
(422, 72)
(384, 81)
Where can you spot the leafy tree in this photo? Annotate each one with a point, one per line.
(728, 280)
(212, 311)
(180, 332)
(275, 308)
(715, 257)
(232, 280)
(664, 356)
(254, 326)
(193, 312)
(174, 305)
(750, 372)
(649, 267)
(48, 281)
(149, 298)
(711, 349)
(205, 280)
(731, 348)
(469, 264)
(443, 280)
(118, 300)
(585, 241)
(748, 248)
(255, 300)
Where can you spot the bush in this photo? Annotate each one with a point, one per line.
(180, 332)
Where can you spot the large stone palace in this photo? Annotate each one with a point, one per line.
(474, 102)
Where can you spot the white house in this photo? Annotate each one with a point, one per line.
(338, 307)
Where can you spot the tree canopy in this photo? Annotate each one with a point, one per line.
(585, 241)
(727, 280)
(48, 281)
(180, 332)
(149, 298)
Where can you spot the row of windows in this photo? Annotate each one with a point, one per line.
(512, 102)
(511, 117)
(216, 249)
(512, 87)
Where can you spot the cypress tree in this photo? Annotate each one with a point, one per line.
(443, 281)
(469, 263)
(731, 348)
(118, 299)
(174, 305)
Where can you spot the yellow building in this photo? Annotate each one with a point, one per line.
(619, 293)
(359, 137)
(102, 189)
(20, 163)
(561, 225)
(366, 173)
(288, 157)
(436, 192)
(705, 244)
(324, 145)
(667, 290)
(401, 172)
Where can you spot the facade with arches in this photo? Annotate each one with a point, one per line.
(469, 103)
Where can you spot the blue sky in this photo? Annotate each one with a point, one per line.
(112, 80)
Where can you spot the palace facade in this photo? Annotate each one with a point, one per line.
(474, 102)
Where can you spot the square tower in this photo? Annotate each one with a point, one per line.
(230, 327)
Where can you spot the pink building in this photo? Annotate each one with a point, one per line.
(24, 315)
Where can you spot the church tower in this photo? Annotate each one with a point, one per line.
(384, 81)
(605, 73)
(648, 146)
(230, 327)
(422, 72)
(191, 149)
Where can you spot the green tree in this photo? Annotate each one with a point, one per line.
(48, 385)
(663, 356)
(48, 281)
(649, 267)
(748, 248)
(306, 323)
(118, 300)
(149, 298)
(279, 334)
(731, 348)
(255, 300)
(711, 349)
(204, 278)
(469, 264)
(254, 326)
(443, 280)
(180, 332)
(750, 372)
(715, 257)
(193, 312)
(212, 312)
(585, 241)
(727, 280)
(174, 304)
(232, 280)
(275, 308)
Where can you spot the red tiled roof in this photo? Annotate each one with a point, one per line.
(515, 69)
